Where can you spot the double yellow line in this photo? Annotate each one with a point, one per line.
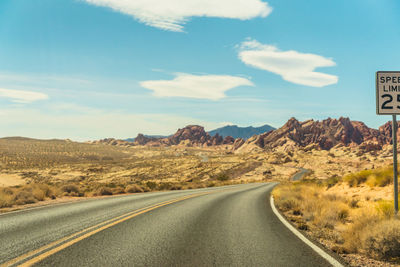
(37, 255)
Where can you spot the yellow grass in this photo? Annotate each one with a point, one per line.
(347, 224)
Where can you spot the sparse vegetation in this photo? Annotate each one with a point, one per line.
(380, 177)
(347, 224)
(133, 189)
(26, 194)
(52, 169)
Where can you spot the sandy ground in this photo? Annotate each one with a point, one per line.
(11, 180)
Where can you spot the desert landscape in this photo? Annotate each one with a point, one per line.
(348, 168)
(190, 158)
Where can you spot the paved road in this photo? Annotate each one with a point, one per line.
(226, 226)
(300, 174)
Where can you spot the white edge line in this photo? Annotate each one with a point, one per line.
(322, 253)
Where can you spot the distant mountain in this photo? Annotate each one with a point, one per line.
(148, 136)
(241, 132)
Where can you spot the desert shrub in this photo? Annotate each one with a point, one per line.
(332, 181)
(384, 177)
(382, 240)
(343, 213)
(133, 189)
(145, 188)
(353, 203)
(6, 199)
(151, 185)
(47, 190)
(118, 190)
(164, 186)
(176, 187)
(310, 201)
(385, 208)
(334, 197)
(353, 234)
(222, 177)
(355, 179)
(104, 191)
(38, 193)
(70, 189)
(24, 197)
(380, 178)
(202, 185)
(289, 203)
(211, 184)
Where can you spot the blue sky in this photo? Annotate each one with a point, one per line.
(89, 69)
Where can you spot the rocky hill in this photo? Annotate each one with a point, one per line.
(145, 135)
(322, 135)
(191, 135)
(241, 132)
(294, 134)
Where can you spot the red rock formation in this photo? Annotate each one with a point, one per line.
(228, 140)
(386, 131)
(238, 143)
(142, 140)
(308, 134)
(113, 142)
(194, 133)
(191, 135)
(325, 134)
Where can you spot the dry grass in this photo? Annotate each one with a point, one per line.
(345, 224)
(24, 153)
(26, 194)
(379, 177)
(382, 240)
(312, 203)
(134, 189)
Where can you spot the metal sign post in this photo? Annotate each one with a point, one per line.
(396, 190)
(388, 103)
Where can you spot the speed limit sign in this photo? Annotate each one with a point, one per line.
(388, 103)
(387, 92)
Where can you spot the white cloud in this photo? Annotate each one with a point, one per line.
(293, 66)
(19, 96)
(195, 86)
(172, 14)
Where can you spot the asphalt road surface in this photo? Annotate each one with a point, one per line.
(224, 226)
(300, 174)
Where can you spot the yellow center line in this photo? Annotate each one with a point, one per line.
(106, 224)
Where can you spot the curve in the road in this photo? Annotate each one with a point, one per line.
(207, 227)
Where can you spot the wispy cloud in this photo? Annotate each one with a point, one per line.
(19, 96)
(211, 87)
(172, 14)
(40, 79)
(293, 66)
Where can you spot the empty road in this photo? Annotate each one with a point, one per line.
(225, 226)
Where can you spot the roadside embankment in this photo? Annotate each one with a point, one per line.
(352, 215)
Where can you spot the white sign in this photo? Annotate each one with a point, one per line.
(387, 92)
